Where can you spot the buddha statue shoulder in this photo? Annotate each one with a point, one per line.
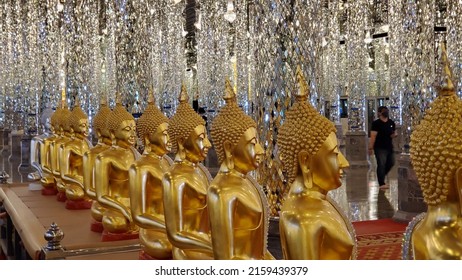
(39, 153)
(65, 135)
(238, 208)
(71, 160)
(89, 168)
(146, 191)
(185, 185)
(112, 178)
(311, 226)
(435, 156)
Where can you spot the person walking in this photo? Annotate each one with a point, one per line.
(383, 131)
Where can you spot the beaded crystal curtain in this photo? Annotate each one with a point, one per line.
(288, 37)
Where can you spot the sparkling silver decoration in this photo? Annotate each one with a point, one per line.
(406, 246)
(358, 35)
(454, 39)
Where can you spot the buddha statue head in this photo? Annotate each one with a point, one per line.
(187, 132)
(308, 144)
(122, 127)
(78, 121)
(100, 121)
(56, 120)
(152, 129)
(64, 120)
(435, 144)
(234, 135)
(45, 120)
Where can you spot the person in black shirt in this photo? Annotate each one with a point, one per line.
(383, 131)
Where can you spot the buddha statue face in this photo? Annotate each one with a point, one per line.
(197, 145)
(160, 140)
(327, 165)
(82, 127)
(126, 132)
(247, 154)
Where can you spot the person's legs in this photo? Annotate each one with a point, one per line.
(381, 158)
(390, 161)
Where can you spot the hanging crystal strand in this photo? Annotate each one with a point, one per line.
(18, 77)
(250, 108)
(241, 52)
(274, 81)
(426, 45)
(211, 50)
(396, 58)
(173, 59)
(31, 68)
(454, 39)
(3, 61)
(309, 31)
(155, 51)
(109, 52)
(88, 26)
(51, 54)
(356, 54)
(143, 44)
(331, 85)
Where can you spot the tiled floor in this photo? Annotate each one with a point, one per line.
(359, 195)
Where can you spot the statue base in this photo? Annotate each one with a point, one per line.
(356, 148)
(78, 204)
(410, 198)
(61, 196)
(96, 226)
(49, 191)
(108, 236)
(144, 256)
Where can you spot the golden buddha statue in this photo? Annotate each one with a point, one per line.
(238, 208)
(311, 226)
(89, 171)
(146, 183)
(112, 179)
(185, 185)
(65, 134)
(39, 151)
(71, 160)
(435, 156)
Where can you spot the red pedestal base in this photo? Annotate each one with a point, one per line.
(78, 204)
(107, 236)
(144, 256)
(96, 226)
(49, 191)
(61, 196)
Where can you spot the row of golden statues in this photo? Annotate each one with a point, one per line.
(175, 207)
(179, 211)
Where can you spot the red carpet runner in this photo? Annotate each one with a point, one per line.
(379, 239)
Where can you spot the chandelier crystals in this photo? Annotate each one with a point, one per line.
(358, 31)
(211, 51)
(454, 39)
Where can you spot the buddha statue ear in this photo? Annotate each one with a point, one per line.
(228, 149)
(458, 185)
(181, 151)
(113, 139)
(304, 160)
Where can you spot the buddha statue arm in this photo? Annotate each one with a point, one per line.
(300, 243)
(103, 164)
(138, 178)
(46, 163)
(66, 152)
(88, 169)
(54, 158)
(35, 153)
(173, 208)
(221, 215)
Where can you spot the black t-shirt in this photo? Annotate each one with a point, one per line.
(384, 132)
